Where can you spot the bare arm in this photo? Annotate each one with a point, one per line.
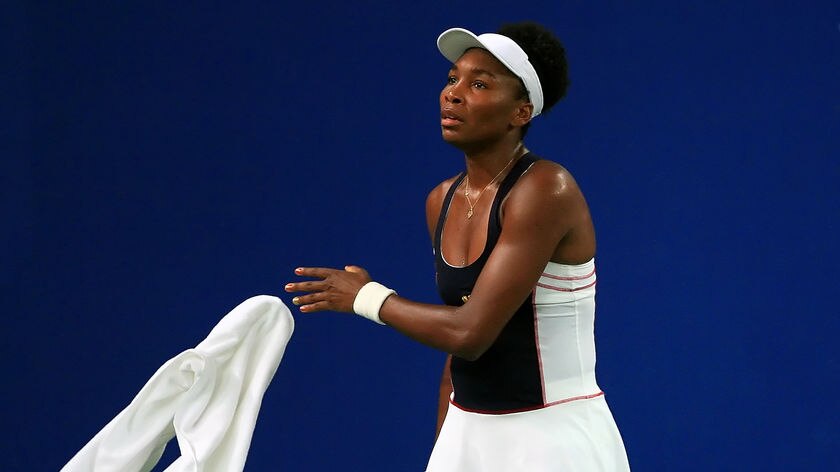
(537, 216)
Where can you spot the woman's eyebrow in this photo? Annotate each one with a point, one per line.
(474, 70)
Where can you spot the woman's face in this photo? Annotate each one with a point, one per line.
(481, 101)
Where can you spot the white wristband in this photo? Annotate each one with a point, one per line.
(370, 299)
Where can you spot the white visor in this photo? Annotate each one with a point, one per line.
(453, 42)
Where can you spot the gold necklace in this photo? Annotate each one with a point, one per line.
(467, 184)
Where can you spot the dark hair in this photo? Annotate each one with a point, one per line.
(548, 56)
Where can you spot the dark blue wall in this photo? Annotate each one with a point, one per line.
(162, 163)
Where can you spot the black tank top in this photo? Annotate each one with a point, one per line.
(506, 377)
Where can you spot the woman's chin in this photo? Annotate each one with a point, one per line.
(451, 136)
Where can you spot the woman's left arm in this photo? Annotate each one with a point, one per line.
(537, 214)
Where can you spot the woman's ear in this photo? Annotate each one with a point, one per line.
(522, 116)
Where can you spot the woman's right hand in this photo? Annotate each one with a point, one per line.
(335, 289)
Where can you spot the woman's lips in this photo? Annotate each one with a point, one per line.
(448, 118)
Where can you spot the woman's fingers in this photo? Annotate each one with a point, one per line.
(356, 270)
(317, 306)
(302, 300)
(313, 302)
(317, 272)
(335, 289)
(310, 286)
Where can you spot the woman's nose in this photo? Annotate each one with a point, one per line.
(452, 95)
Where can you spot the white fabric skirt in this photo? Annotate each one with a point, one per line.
(578, 436)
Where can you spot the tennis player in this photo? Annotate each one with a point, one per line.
(515, 258)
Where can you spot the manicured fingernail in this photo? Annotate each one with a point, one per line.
(296, 301)
(298, 270)
(288, 286)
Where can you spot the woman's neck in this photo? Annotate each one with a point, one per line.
(488, 163)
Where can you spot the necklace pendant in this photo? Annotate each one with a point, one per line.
(469, 213)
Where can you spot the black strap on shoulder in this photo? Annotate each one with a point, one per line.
(505, 187)
(444, 209)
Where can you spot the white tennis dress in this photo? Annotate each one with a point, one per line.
(574, 430)
(531, 401)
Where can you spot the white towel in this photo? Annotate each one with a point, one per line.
(209, 397)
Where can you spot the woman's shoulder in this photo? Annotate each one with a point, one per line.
(434, 202)
(547, 176)
(437, 194)
(546, 187)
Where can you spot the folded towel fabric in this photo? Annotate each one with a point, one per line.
(208, 397)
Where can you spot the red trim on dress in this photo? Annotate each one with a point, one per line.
(582, 397)
(537, 340)
(530, 408)
(561, 289)
(557, 277)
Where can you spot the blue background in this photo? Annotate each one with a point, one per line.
(161, 163)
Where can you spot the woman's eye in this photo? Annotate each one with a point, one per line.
(479, 84)
(450, 80)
